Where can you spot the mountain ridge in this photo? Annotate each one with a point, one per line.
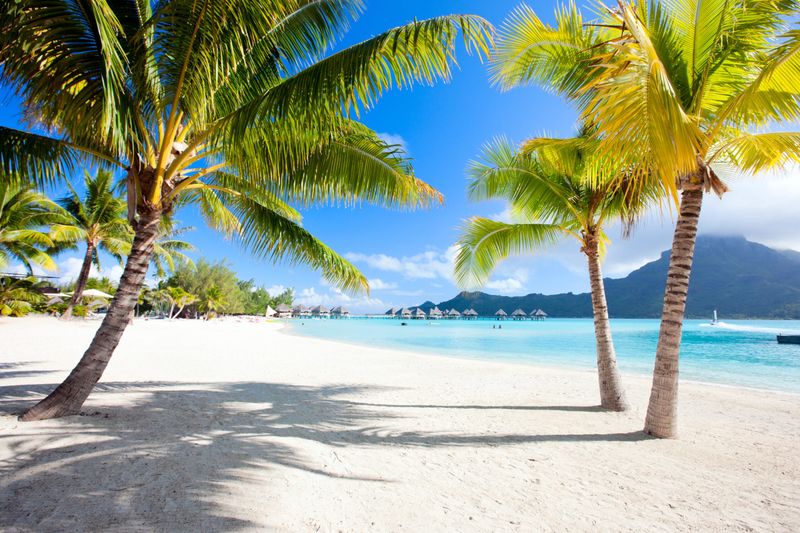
(737, 277)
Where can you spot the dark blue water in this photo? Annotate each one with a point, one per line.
(733, 352)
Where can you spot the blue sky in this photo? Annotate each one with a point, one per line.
(407, 255)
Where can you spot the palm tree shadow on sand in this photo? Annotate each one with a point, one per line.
(225, 432)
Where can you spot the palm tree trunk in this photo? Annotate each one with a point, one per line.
(68, 397)
(83, 278)
(612, 396)
(662, 410)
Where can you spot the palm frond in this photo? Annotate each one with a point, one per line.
(484, 243)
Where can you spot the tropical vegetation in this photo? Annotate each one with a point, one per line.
(682, 90)
(556, 188)
(25, 218)
(98, 221)
(235, 107)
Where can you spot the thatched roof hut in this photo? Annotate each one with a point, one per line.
(435, 313)
(519, 314)
(452, 313)
(340, 312)
(470, 314)
(321, 311)
(283, 311)
(501, 315)
(405, 312)
(301, 310)
(418, 313)
(539, 315)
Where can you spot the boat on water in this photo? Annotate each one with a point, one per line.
(714, 321)
(788, 339)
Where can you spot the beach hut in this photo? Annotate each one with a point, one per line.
(501, 315)
(301, 311)
(453, 314)
(340, 312)
(405, 313)
(435, 313)
(418, 314)
(519, 314)
(470, 314)
(321, 311)
(283, 311)
(539, 315)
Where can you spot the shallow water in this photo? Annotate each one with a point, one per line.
(734, 352)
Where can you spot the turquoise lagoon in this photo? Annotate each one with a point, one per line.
(734, 352)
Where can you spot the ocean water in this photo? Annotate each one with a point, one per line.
(734, 352)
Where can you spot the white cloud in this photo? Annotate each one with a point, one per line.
(505, 286)
(377, 284)
(394, 139)
(276, 290)
(431, 264)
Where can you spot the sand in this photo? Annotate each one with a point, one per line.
(237, 426)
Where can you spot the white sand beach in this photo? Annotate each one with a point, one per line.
(236, 426)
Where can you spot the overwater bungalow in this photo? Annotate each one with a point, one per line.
(340, 312)
(283, 311)
(321, 311)
(301, 311)
(419, 314)
(501, 315)
(519, 314)
(435, 313)
(405, 313)
(470, 314)
(452, 313)
(539, 315)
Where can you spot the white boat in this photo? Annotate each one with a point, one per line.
(714, 321)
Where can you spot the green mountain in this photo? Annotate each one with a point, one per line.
(738, 278)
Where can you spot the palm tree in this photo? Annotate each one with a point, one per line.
(680, 90)
(212, 301)
(554, 186)
(180, 298)
(168, 249)
(701, 80)
(233, 106)
(17, 296)
(24, 216)
(98, 220)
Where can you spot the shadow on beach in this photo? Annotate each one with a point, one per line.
(156, 461)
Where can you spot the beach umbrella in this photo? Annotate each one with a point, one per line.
(270, 311)
(94, 293)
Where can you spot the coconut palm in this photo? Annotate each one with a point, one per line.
(702, 81)
(98, 220)
(681, 90)
(212, 301)
(168, 249)
(233, 106)
(24, 217)
(180, 298)
(555, 190)
(17, 296)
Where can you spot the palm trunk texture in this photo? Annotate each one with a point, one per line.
(80, 285)
(612, 396)
(67, 399)
(662, 410)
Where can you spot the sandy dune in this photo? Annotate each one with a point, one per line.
(228, 426)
